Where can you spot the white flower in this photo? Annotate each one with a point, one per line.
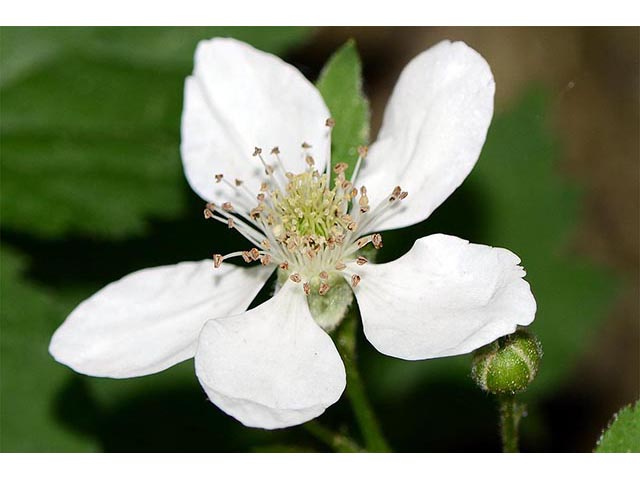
(275, 366)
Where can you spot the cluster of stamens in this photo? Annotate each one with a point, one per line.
(310, 229)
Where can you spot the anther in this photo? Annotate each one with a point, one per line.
(295, 277)
(363, 150)
(208, 214)
(404, 195)
(217, 260)
(355, 280)
(330, 123)
(324, 275)
(266, 244)
(256, 151)
(361, 260)
(305, 145)
(218, 177)
(230, 223)
(227, 206)
(309, 160)
(284, 266)
(238, 182)
(275, 151)
(255, 253)
(324, 288)
(246, 256)
(340, 266)
(265, 259)
(352, 226)
(340, 167)
(376, 239)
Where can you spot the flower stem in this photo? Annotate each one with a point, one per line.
(365, 416)
(511, 412)
(338, 442)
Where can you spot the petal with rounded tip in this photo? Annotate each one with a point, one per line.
(272, 366)
(432, 132)
(239, 98)
(150, 320)
(444, 297)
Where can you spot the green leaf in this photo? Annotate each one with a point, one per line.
(340, 84)
(516, 198)
(31, 382)
(91, 120)
(623, 433)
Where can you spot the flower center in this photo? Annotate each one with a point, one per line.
(311, 229)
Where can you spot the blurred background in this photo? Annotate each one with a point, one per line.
(92, 189)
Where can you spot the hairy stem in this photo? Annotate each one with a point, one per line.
(336, 441)
(511, 412)
(365, 416)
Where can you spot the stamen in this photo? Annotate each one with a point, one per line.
(295, 277)
(284, 265)
(307, 288)
(376, 239)
(355, 280)
(361, 260)
(230, 222)
(218, 177)
(324, 275)
(217, 260)
(265, 259)
(324, 288)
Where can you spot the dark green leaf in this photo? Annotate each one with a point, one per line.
(623, 434)
(91, 120)
(340, 83)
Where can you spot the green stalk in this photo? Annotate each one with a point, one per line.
(367, 422)
(511, 412)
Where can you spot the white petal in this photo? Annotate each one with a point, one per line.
(150, 320)
(273, 366)
(444, 297)
(433, 130)
(239, 98)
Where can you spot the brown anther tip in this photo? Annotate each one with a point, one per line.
(352, 226)
(324, 275)
(256, 151)
(355, 280)
(275, 151)
(246, 256)
(268, 170)
(295, 277)
(363, 150)
(363, 190)
(364, 209)
(404, 195)
(340, 266)
(376, 239)
(324, 288)
(307, 288)
(227, 206)
(310, 161)
(218, 177)
(340, 167)
(265, 259)
(230, 223)
(361, 260)
(330, 123)
(266, 244)
(255, 253)
(284, 266)
(238, 182)
(207, 213)
(217, 260)
(305, 145)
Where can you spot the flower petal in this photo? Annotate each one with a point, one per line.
(239, 98)
(272, 366)
(433, 130)
(446, 296)
(150, 320)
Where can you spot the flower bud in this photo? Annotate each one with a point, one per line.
(507, 365)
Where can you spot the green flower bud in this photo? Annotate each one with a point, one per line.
(507, 365)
